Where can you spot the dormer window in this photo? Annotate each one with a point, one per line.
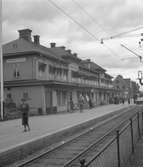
(41, 67)
(16, 72)
(14, 45)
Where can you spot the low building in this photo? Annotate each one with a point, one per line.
(51, 78)
(127, 88)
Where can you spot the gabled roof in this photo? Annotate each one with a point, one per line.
(21, 46)
(64, 54)
(18, 45)
(108, 76)
(98, 67)
(120, 79)
(127, 82)
(93, 65)
(59, 51)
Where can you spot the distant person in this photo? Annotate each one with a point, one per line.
(90, 103)
(128, 100)
(123, 100)
(135, 98)
(81, 102)
(115, 100)
(24, 108)
(71, 105)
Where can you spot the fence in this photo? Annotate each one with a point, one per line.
(119, 148)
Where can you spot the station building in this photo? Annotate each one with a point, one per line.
(51, 77)
(128, 89)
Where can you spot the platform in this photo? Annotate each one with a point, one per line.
(139, 100)
(12, 137)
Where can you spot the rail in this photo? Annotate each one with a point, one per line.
(117, 151)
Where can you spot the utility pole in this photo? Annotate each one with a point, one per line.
(1, 65)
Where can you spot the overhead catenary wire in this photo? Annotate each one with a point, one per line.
(125, 32)
(86, 13)
(69, 16)
(94, 21)
(114, 36)
(75, 21)
(124, 36)
(117, 35)
(129, 31)
(136, 54)
(111, 50)
(82, 27)
(127, 58)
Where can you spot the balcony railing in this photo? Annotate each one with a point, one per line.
(91, 83)
(58, 77)
(81, 81)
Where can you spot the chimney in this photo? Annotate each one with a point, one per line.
(36, 39)
(25, 34)
(53, 45)
(75, 54)
(63, 47)
(69, 51)
(88, 60)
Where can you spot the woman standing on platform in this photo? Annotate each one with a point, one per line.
(81, 102)
(24, 108)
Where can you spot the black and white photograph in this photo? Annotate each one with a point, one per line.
(71, 83)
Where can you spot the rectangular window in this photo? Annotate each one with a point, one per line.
(25, 95)
(16, 71)
(41, 67)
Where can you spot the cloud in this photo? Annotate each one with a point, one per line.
(126, 73)
(127, 63)
(111, 16)
(33, 10)
(108, 18)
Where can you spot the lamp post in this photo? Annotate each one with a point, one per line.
(140, 77)
(1, 63)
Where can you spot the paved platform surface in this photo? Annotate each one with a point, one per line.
(137, 160)
(11, 132)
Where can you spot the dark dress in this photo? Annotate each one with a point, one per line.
(24, 110)
(90, 103)
(81, 102)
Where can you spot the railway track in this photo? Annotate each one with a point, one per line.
(68, 153)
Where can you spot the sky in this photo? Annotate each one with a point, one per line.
(98, 19)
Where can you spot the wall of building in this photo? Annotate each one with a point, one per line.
(34, 93)
(18, 68)
(47, 74)
(91, 80)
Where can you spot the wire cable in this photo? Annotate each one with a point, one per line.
(85, 12)
(93, 20)
(81, 26)
(136, 54)
(123, 33)
(111, 37)
(75, 21)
